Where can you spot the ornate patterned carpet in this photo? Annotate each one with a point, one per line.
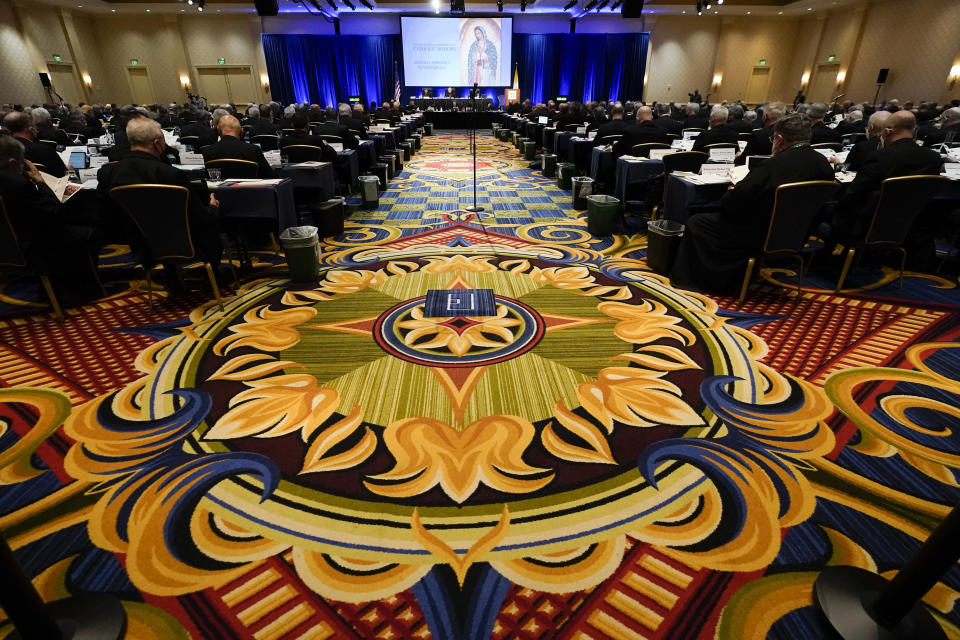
(480, 426)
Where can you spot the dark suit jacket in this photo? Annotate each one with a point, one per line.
(695, 122)
(941, 136)
(261, 127)
(862, 154)
(846, 128)
(302, 137)
(450, 93)
(354, 125)
(45, 154)
(668, 124)
(740, 126)
(747, 207)
(168, 120)
(822, 133)
(716, 135)
(234, 148)
(642, 132)
(204, 134)
(616, 127)
(333, 129)
(57, 135)
(32, 208)
(901, 158)
(758, 145)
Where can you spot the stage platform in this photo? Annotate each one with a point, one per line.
(460, 119)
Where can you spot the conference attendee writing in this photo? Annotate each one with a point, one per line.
(232, 147)
(715, 246)
(482, 59)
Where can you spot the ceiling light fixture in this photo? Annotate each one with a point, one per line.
(602, 5)
(500, 6)
(569, 5)
(350, 4)
(523, 6)
(367, 4)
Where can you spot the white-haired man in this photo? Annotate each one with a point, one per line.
(45, 130)
(949, 127)
(719, 131)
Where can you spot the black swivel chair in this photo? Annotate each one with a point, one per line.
(11, 256)
(231, 168)
(303, 153)
(835, 146)
(642, 150)
(684, 161)
(159, 211)
(795, 205)
(267, 141)
(331, 138)
(190, 141)
(901, 201)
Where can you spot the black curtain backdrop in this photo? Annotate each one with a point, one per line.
(327, 69)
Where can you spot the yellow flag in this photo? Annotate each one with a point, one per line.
(516, 77)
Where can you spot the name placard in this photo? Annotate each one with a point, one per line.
(191, 158)
(715, 170)
(657, 154)
(952, 169)
(726, 154)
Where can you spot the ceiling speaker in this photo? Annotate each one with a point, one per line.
(266, 7)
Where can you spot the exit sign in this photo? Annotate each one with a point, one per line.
(831, 58)
(56, 58)
(221, 61)
(763, 63)
(134, 62)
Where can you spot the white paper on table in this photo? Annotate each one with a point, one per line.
(846, 176)
(62, 187)
(189, 167)
(581, 131)
(657, 154)
(742, 144)
(676, 144)
(191, 158)
(87, 175)
(841, 156)
(712, 170)
(686, 145)
(723, 154)
(739, 173)
(90, 185)
(592, 135)
(104, 140)
(337, 146)
(98, 161)
(309, 164)
(690, 135)
(952, 170)
(709, 179)
(169, 138)
(826, 153)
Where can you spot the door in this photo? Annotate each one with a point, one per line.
(824, 83)
(240, 85)
(65, 82)
(141, 88)
(213, 85)
(758, 85)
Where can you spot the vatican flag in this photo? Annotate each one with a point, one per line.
(516, 77)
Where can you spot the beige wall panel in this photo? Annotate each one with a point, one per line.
(681, 56)
(43, 26)
(18, 75)
(153, 41)
(743, 43)
(66, 83)
(213, 85)
(241, 84)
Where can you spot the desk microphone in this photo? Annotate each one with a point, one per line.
(839, 96)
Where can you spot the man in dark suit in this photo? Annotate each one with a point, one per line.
(643, 131)
(820, 132)
(347, 126)
(616, 127)
(167, 119)
(231, 146)
(760, 143)
(45, 130)
(735, 119)
(144, 164)
(692, 118)
(22, 127)
(900, 156)
(665, 122)
(450, 93)
(50, 244)
(259, 125)
(949, 128)
(301, 135)
(715, 246)
(198, 125)
(865, 151)
(719, 131)
(852, 123)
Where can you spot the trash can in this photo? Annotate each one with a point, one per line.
(388, 160)
(413, 145)
(565, 172)
(370, 191)
(548, 164)
(301, 247)
(504, 135)
(529, 150)
(515, 136)
(404, 149)
(328, 217)
(417, 140)
(663, 239)
(522, 141)
(601, 214)
(428, 128)
(582, 186)
(382, 171)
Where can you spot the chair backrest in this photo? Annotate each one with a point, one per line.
(267, 142)
(330, 138)
(697, 129)
(53, 142)
(160, 213)
(288, 132)
(234, 168)
(673, 136)
(10, 253)
(901, 201)
(745, 136)
(382, 121)
(189, 141)
(684, 161)
(795, 205)
(836, 146)
(303, 152)
(722, 145)
(354, 132)
(643, 149)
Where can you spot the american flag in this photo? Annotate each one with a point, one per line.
(396, 81)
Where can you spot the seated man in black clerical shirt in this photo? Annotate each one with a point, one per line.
(760, 143)
(715, 246)
(301, 135)
(231, 146)
(22, 127)
(66, 252)
(719, 131)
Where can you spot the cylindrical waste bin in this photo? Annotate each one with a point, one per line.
(582, 187)
(404, 148)
(529, 150)
(514, 137)
(388, 160)
(382, 171)
(301, 247)
(417, 140)
(428, 128)
(413, 145)
(369, 191)
(663, 239)
(565, 171)
(504, 135)
(548, 163)
(601, 214)
(328, 217)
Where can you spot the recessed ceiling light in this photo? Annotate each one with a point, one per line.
(684, 11)
(809, 8)
(113, 10)
(779, 13)
(148, 10)
(748, 13)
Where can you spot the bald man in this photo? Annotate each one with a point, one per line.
(232, 147)
(899, 156)
(643, 131)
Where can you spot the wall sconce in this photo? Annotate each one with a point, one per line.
(265, 81)
(717, 78)
(185, 83)
(841, 76)
(87, 81)
(954, 75)
(805, 78)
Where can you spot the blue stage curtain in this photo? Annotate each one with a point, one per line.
(581, 66)
(327, 69)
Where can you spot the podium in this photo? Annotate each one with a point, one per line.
(511, 95)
